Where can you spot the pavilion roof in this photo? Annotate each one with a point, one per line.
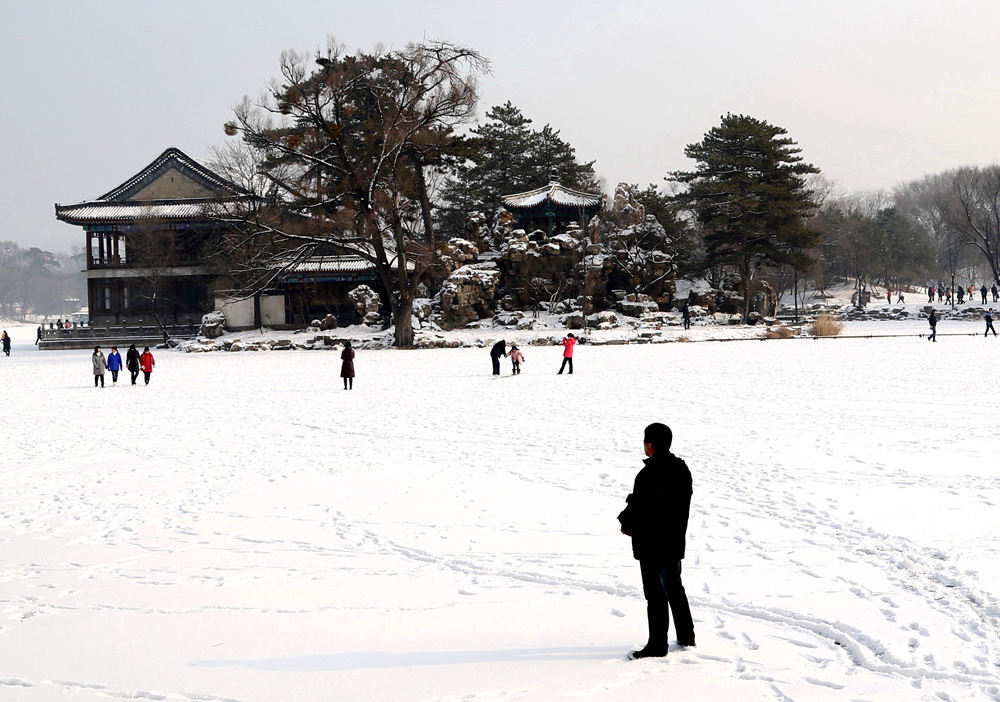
(134, 200)
(104, 212)
(554, 193)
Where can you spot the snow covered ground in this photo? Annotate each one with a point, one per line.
(244, 529)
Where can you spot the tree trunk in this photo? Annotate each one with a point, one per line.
(402, 318)
(425, 204)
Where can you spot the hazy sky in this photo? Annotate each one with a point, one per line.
(875, 91)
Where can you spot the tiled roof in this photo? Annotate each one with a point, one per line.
(178, 159)
(332, 264)
(102, 212)
(554, 193)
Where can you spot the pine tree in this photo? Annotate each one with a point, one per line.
(505, 156)
(749, 193)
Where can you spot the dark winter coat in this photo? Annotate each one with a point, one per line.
(932, 320)
(347, 367)
(6, 342)
(656, 514)
(499, 349)
(132, 360)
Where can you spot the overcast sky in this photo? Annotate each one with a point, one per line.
(874, 91)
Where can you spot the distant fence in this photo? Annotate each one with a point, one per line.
(81, 336)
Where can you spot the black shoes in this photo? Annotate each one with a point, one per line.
(647, 652)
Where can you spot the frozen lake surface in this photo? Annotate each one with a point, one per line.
(243, 529)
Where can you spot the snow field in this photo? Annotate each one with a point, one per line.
(244, 529)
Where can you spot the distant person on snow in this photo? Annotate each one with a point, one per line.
(38, 337)
(972, 294)
(961, 294)
(132, 362)
(499, 349)
(100, 365)
(989, 323)
(114, 364)
(656, 517)
(516, 359)
(996, 294)
(347, 366)
(930, 294)
(932, 320)
(686, 315)
(146, 364)
(888, 295)
(901, 300)
(568, 344)
(983, 291)
(6, 343)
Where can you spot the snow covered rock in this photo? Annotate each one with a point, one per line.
(468, 295)
(213, 325)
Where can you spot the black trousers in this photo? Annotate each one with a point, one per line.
(989, 328)
(146, 374)
(114, 376)
(496, 364)
(99, 378)
(135, 374)
(664, 593)
(569, 360)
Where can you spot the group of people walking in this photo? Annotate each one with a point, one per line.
(135, 362)
(947, 295)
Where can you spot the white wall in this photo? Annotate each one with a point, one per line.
(239, 313)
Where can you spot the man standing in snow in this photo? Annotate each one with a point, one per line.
(983, 291)
(989, 323)
(656, 517)
(932, 320)
(499, 349)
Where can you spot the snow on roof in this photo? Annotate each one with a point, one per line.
(178, 159)
(332, 264)
(100, 211)
(554, 193)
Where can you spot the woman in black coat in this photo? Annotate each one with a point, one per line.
(132, 362)
(347, 366)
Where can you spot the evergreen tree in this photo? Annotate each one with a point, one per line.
(750, 194)
(504, 156)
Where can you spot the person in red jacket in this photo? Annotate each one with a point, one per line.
(146, 364)
(568, 344)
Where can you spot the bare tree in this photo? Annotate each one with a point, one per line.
(340, 146)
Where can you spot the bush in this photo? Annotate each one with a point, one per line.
(682, 339)
(779, 333)
(825, 325)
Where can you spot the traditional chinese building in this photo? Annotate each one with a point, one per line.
(552, 207)
(149, 253)
(147, 243)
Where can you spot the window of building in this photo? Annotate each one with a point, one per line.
(103, 295)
